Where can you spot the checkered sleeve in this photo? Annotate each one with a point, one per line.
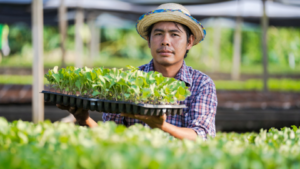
(112, 117)
(203, 109)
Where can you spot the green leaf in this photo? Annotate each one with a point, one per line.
(126, 95)
(294, 128)
(78, 84)
(56, 77)
(181, 90)
(132, 68)
(95, 93)
(139, 82)
(55, 69)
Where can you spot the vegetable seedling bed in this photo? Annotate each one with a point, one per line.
(110, 106)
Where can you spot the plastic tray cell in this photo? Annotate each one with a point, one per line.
(85, 104)
(180, 111)
(121, 107)
(79, 102)
(143, 111)
(151, 112)
(128, 108)
(59, 99)
(92, 105)
(66, 100)
(72, 101)
(107, 106)
(135, 109)
(52, 98)
(47, 97)
(113, 107)
(99, 106)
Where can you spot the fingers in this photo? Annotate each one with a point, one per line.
(136, 116)
(127, 115)
(62, 107)
(144, 117)
(72, 110)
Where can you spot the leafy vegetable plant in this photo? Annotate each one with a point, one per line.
(130, 85)
(64, 146)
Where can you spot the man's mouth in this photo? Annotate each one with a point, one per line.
(165, 52)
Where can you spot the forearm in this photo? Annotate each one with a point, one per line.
(90, 122)
(179, 132)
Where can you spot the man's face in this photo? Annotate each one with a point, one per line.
(168, 43)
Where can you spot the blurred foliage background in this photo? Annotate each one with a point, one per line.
(121, 47)
(283, 43)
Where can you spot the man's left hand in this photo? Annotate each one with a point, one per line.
(152, 121)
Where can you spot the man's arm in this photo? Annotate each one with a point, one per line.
(202, 111)
(160, 122)
(90, 122)
(179, 132)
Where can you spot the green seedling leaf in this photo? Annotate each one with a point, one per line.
(139, 82)
(95, 93)
(181, 90)
(158, 93)
(179, 96)
(55, 69)
(91, 76)
(145, 93)
(116, 84)
(126, 95)
(56, 77)
(167, 90)
(294, 128)
(132, 68)
(78, 84)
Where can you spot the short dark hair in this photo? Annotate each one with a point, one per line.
(186, 29)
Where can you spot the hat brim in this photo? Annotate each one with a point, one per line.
(176, 16)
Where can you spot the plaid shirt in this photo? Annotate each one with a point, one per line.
(202, 104)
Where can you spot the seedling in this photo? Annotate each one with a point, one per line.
(131, 85)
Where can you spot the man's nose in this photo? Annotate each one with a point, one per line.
(166, 40)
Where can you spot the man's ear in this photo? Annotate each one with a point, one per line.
(190, 42)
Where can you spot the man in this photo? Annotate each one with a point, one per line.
(171, 32)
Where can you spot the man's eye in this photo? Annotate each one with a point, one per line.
(174, 34)
(158, 34)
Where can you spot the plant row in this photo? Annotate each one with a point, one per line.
(114, 84)
(61, 145)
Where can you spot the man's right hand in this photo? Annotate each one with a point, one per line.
(80, 114)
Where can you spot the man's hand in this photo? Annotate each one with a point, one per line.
(80, 114)
(152, 121)
(160, 122)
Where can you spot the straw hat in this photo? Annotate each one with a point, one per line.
(171, 12)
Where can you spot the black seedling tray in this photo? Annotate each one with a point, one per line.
(109, 106)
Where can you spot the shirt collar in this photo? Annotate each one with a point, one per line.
(183, 74)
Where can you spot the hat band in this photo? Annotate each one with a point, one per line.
(171, 10)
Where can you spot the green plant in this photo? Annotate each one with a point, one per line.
(131, 85)
(64, 146)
